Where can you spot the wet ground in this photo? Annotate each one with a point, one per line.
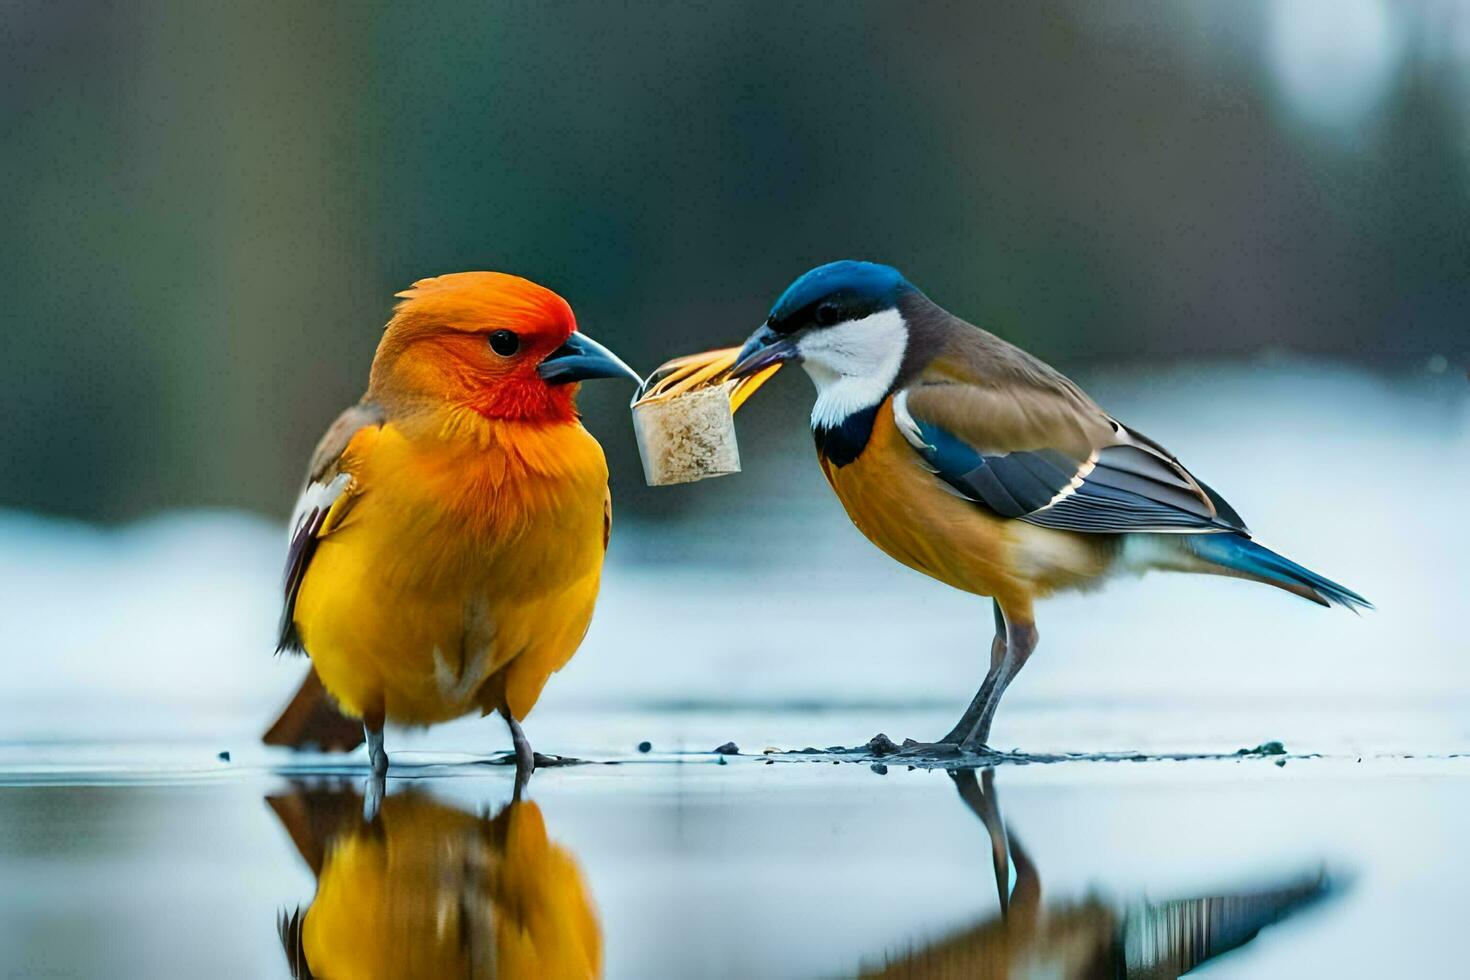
(149, 860)
(752, 612)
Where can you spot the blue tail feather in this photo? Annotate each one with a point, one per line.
(1241, 554)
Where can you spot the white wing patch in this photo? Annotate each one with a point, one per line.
(316, 499)
(903, 420)
(907, 427)
(1071, 488)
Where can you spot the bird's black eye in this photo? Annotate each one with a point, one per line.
(504, 342)
(826, 315)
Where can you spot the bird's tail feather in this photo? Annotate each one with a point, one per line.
(312, 719)
(1243, 556)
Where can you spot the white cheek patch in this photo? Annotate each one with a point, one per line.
(853, 364)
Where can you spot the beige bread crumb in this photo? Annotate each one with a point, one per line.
(687, 437)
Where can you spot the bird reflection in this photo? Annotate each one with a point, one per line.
(425, 889)
(1090, 938)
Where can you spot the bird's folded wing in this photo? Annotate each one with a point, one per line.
(328, 492)
(1042, 452)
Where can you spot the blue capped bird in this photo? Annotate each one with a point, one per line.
(968, 459)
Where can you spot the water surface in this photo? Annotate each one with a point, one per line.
(672, 864)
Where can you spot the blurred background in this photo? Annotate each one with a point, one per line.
(1242, 225)
(209, 206)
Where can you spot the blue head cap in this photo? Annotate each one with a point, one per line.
(837, 292)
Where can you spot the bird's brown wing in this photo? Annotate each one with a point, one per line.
(327, 490)
(1010, 433)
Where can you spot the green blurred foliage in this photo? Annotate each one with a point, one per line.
(208, 206)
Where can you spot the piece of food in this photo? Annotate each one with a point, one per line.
(683, 417)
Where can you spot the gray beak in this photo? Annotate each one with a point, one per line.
(764, 348)
(580, 359)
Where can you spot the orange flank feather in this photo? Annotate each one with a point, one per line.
(448, 547)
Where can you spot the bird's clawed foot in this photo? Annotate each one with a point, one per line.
(929, 750)
(976, 751)
(881, 745)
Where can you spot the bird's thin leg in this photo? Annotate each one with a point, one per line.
(525, 758)
(372, 797)
(977, 704)
(957, 734)
(1020, 642)
(372, 729)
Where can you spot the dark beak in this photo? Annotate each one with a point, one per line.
(764, 348)
(580, 359)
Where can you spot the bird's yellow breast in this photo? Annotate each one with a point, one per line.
(463, 572)
(909, 513)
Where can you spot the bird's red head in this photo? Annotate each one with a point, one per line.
(494, 343)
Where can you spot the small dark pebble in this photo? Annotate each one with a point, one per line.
(729, 748)
(223, 757)
(911, 768)
(1280, 763)
(645, 746)
(879, 768)
(836, 762)
(722, 761)
(881, 744)
(770, 762)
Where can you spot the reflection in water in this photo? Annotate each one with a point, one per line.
(428, 890)
(1092, 938)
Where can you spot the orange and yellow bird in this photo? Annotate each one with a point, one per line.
(967, 459)
(446, 550)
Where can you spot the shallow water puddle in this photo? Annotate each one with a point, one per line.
(676, 866)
